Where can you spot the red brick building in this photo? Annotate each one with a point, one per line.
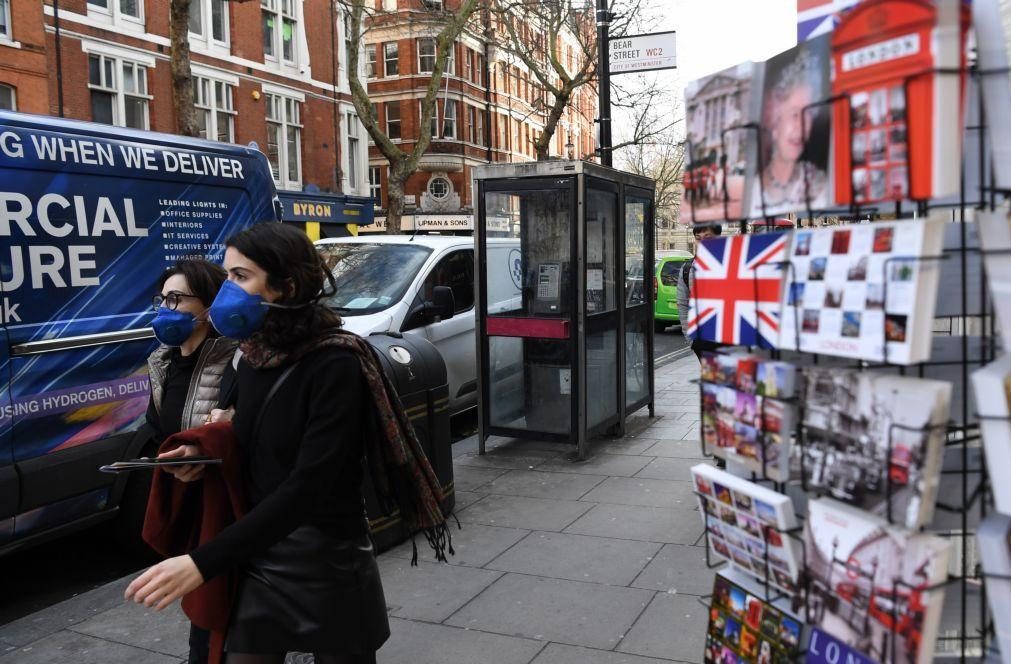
(264, 71)
(486, 109)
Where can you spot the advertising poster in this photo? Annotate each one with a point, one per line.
(89, 220)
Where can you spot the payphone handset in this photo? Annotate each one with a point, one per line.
(550, 288)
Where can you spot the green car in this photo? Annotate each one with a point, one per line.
(665, 286)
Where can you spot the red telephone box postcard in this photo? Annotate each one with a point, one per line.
(790, 169)
(715, 170)
(899, 137)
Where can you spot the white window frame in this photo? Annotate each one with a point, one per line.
(434, 122)
(386, 58)
(283, 10)
(432, 4)
(7, 35)
(422, 42)
(206, 9)
(400, 119)
(280, 102)
(211, 107)
(14, 95)
(371, 62)
(440, 178)
(376, 185)
(116, 89)
(112, 12)
(468, 63)
(447, 118)
(354, 150)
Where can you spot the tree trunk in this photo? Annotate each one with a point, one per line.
(543, 144)
(182, 77)
(395, 200)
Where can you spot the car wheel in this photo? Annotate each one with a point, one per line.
(660, 326)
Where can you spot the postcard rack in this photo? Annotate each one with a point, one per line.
(973, 499)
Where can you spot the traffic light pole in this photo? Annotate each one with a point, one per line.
(604, 17)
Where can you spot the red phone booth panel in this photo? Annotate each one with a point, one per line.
(905, 139)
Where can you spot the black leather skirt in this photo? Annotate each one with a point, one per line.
(310, 592)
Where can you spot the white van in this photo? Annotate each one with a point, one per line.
(424, 285)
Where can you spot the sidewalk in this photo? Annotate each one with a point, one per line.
(558, 562)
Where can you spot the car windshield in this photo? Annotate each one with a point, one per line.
(370, 277)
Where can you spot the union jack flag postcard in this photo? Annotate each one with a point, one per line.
(735, 294)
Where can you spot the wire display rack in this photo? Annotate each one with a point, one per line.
(965, 496)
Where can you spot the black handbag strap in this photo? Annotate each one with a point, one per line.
(270, 395)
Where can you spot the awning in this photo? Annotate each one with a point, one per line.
(300, 206)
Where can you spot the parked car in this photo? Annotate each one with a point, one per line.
(665, 286)
(422, 285)
(93, 214)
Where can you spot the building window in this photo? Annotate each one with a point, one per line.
(280, 28)
(8, 99)
(352, 122)
(347, 41)
(391, 58)
(439, 188)
(393, 119)
(468, 64)
(433, 124)
(480, 127)
(284, 140)
(374, 108)
(426, 55)
(370, 61)
(5, 20)
(213, 13)
(432, 4)
(215, 112)
(118, 91)
(376, 185)
(449, 120)
(126, 8)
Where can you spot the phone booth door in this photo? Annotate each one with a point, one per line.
(528, 344)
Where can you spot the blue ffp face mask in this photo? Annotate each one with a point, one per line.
(235, 313)
(173, 328)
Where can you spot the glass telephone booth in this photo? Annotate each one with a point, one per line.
(565, 300)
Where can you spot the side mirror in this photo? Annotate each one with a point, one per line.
(443, 303)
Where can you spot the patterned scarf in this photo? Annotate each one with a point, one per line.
(401, 474)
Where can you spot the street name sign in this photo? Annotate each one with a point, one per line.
(638, 53)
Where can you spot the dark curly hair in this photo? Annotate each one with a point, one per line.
(296, 269)
(204, 278)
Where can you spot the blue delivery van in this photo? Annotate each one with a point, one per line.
(89, 217)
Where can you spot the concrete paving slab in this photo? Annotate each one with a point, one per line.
(75, 610)
(525, 513)
(677, 569)
(676, 448)
(537, 484)
(672, 627)
(466, 498)
(471, 478)
(571, 612)
(647, 524)
(557, 653)
(667, 468)
(577, 557)
(166, 632)
(598, 464)
(644, 492)
(422, 643)
(68, 647)
(671, 429)
(430, 591)
(508, 460)
(630, 444)
(475, 545)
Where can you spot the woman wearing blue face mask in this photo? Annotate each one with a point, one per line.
(189, 369)
(313, 409)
